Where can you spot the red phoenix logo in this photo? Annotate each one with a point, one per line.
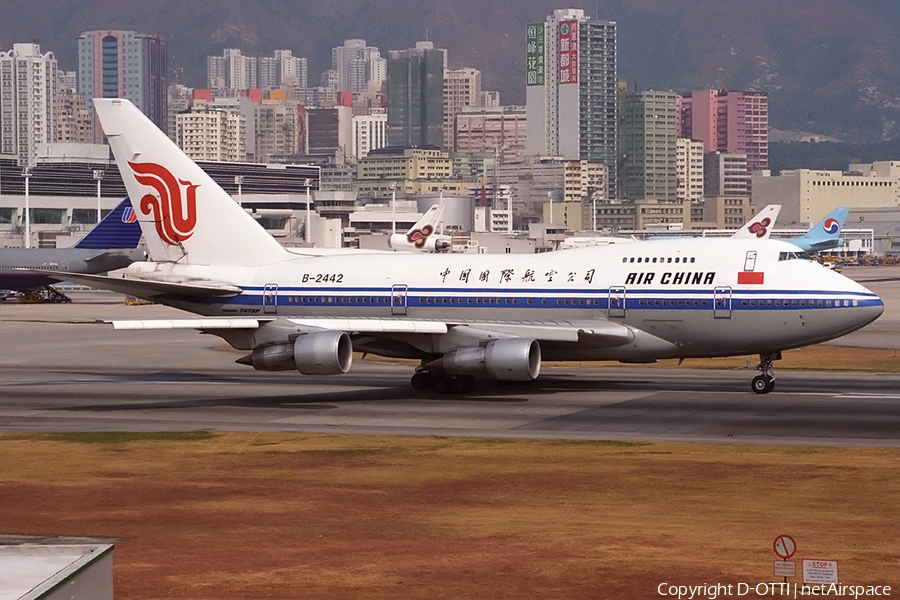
(175, 215)
(418, 237)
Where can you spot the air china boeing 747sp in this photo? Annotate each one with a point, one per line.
(490, 315)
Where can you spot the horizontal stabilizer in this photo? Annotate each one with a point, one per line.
(148, 289)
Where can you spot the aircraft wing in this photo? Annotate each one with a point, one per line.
(148, 288)
(598, 333)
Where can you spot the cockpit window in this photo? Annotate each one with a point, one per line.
(799, 255)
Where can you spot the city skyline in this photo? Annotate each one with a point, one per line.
(829, 65)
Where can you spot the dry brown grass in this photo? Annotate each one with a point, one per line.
(313, 516)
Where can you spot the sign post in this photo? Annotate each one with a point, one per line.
(820, 571)
(785, 547)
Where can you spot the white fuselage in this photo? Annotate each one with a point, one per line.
(683, 298)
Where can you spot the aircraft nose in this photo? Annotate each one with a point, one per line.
(870, 308)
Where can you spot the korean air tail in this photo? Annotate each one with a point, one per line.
(825, 234)
(185, 216)
(118, 229)
(761, 225)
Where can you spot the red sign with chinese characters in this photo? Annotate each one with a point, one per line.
(568, 52)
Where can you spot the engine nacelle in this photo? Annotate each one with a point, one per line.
(320, 353)
(433, 243)
(510, 359)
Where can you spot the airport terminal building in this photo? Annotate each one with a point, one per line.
(67, 183)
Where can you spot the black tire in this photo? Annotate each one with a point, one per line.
(462, 384)
(420, 381)
(762, 384)
(441, 384)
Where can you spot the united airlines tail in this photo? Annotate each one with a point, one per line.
(825, 234)
(118, 229)
(185, 216)
(761, 225)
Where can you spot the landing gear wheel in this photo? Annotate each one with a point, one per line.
(420, 381)
(462, 384)
(441, 383)
(763, 384)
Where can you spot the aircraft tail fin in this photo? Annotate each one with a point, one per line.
(118, 229)
(761, 225)
(185, 216)
(431, 217)
(421, 236)
(826, 233)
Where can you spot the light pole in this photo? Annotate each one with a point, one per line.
(98, 175)
(509, 227)
(394, 207)
(26, 173)
(239, 180)
(306, 227)
(550, 196)
(441, 205)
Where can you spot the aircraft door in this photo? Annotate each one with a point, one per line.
(722, 302)
(270, 298)
(617, 302)
(750, 260)
(398, 298)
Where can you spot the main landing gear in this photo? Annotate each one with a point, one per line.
(442, 383)
(765, 382)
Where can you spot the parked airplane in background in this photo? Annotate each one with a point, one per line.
(761, 225)
(491, 315)
(423, 236)
(825, 234)
(111, 245)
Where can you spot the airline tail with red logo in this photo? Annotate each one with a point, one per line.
(184, 215)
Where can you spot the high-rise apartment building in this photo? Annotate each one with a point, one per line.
(499, 129)
(728, 121)
(462, 87)
(329, 130)
(124, 64)
(276, 130)
(212, 135)
(571, 78)
(689, 157)
(416, 97)
(28, 109)
(725, 174)
(234, 71)
(292, 70)
(647, 147)
(369, 133)
(357, 65)
(73, 123)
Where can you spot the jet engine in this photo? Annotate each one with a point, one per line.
(320, 353)
(400, 241)
(510, 359)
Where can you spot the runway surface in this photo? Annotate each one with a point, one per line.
(59, 371)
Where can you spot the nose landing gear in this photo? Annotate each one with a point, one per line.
(765, 381)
